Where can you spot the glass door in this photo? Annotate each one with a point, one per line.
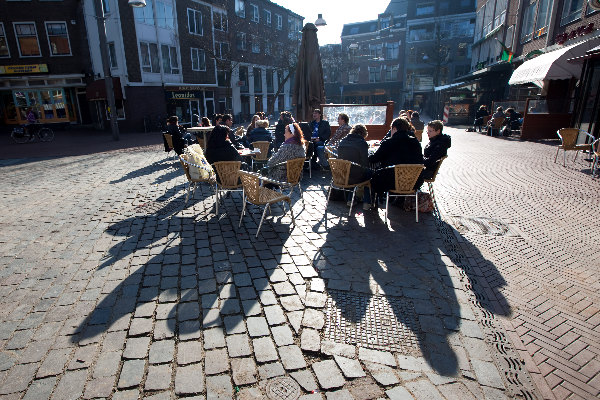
(195, 112)
(589, 113)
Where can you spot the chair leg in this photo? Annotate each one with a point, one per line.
(387, 200)
(417, 206)
(243, 208)
(187, 195)
(326, 204)
(262, 218)
(194, 191)
(564, 158)
(301, 196)
(556, 156)
(576, 154)
(352, 202)
(292, 213)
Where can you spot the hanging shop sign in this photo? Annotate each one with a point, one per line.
(23, 69)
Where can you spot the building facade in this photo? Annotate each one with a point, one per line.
(44, 62)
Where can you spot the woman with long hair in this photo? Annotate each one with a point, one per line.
(292, 147)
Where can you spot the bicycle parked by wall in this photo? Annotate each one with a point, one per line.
(28, 133)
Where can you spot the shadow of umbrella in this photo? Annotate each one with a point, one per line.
(309, 87)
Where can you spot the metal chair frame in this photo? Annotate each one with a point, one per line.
(229, 179)
(340, 173)
(191, 182)
(263, 156)
(569, 138)
(406, 175)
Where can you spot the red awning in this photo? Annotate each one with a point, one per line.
(97, 90)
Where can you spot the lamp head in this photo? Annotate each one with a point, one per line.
(137, 3)
(320, 21)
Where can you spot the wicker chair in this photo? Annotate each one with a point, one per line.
(419, 134)
(573, 139)
(496, 125)
(169, 140)
(185, 164)
(228, 174)
(340, 174)
(260, 196)
(294, 175)
(432, 179)
(308, 159)
(263, 156)
(406, 177)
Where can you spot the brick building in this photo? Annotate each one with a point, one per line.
(44, 61)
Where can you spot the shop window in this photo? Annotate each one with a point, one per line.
(270, 86)
(58, 39)
(169, 59)
(27, 39)
(164, 15)
(279, 21)
(194, 22)
(268, 17)
(255, 13)
(47, 104)
(527, 26)
(198, 59)
(240, 41)
(220, 21)
(240, 8)
(257, 72)
(112, 54)
(571, 11)
(144, 15)
(150, 59)
(3, 43)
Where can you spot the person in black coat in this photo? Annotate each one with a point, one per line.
(480, 116)
(355, 148)
(180, 137)
(285, 118)
(437, 148)
(219, 148)
(320, 133)
(400, 148)
(258, 134)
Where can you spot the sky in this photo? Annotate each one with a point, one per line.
(336, 13)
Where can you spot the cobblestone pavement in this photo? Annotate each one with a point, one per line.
(113, 287)
(536, 223)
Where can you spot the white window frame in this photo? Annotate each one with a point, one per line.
(48, 38)
(3, 34)
(267, 17)
(377, 73)
(169, 21)
(255, 13)
(223, 17)
(240, 8)
(268, 47)
(144, 15)
(149, 57)
(574, 16)
(244, 41)
(255, 44)
(219, 49)
(199, 55)
(195, 32)
(112, 55)
(36, 38)
(279, 21)
(173, 59)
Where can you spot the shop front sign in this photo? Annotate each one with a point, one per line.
(184, 95)
(23, 69)
(582, 30)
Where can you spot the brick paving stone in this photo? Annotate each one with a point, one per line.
(271, 370)
(328, 374)
(189, 352)
(107, 364)
(282, 335)
(234, 324)
(376, 356)
(214, 338)
(257, 326)
(251, 307)
(162, 351)
(190, 379)
(313, 319)
(305, 379)
(159, 377)
(383, 374)
(291, 303)
(487, 374)
(399, 393)
(291, 357)
(136, 347)
(54, 363)
(18, 378)
(243, 371)
(349, 367)
(132, 373)
(423, 389)
(333, 348)
(41, 389)
(338, 395)
(310, 340)
(99, 387)
(274, 315)
(238, 345)
(126, 395)
(219, 387)
(70, 386)
(216, 361)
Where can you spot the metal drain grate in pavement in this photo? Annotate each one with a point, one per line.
(376, 322)
(283, 388)
(481, 226)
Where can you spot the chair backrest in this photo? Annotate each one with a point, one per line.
(568, 136)
(419, 134)
(169, 140)
(228, 173)
(183, 160)
(340, 171)
(294, 170)
(251, 184)
(263, 146)
(498, 122)
(439, 164)
(406, 176)
(330, 152)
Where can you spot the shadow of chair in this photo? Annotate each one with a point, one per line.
(255, 193)
(185, 164)
(437, 169)
(573, 139)
(496, 125)
(262, 157)
(419, 134)
(406, 176)
(340, 174)
(228, 179)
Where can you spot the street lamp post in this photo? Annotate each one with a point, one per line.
(108, 81)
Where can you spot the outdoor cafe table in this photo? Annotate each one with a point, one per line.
(201, 130)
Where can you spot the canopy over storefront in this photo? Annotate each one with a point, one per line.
(552, 65)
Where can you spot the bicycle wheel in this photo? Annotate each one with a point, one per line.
(46, 135)
(20, 136)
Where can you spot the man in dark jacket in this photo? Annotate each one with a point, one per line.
(400, 148)
(354, 148)
(437, 148)
(180, 137)
(320, 133)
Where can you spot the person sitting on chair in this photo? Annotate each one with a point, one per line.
(514, 119)
(480, 116)
(219, 148)
(355, 148)
(258, 134)
(400, 148)
(181, 138)
(491, 123)
(416, 121)
(292, 147)
(437, 148)
(321, 131)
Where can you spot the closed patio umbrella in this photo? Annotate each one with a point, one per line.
(309, 87)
